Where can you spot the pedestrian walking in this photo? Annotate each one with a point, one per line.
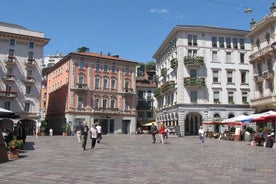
(78, 132)
(154, 131)
(84, 133)
(51, 132)
(201, 134)
(99, 135)
(93, 136)
(162, 133)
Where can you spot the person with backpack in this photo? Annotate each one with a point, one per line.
(154, 131)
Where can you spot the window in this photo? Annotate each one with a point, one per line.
(27, 107)
(105, 103)
(112, 103)
(140, 94)
(192, 40)
(242, 58)
(215, 76)
(31, 45)
(30, 55)
(81, 79)
(126, 105)
(113, 69)
(98, 67)
(29, 73)
(113, 83)
(193, 73)
(80, 102)
(241, 43)
(235, 43)
(105, 68)
(221, 42)
(8, 87)
(97, 82)
(216, 97)
(230, 97)
(81, 65)
(244, 97)
(228, 43)
(229, 76)
(28, 90)
(9, 71)
(105, 83)
(214, 56)
(194, 96)
(127, 85)
(12, 42)
(11, 53)
(8, 105)
(243, 77)
(127, 70)
(228, 57)
(214, 42)
(96, 103)
(192, 53)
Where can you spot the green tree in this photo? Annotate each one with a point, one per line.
(83, 49)
(150, 65)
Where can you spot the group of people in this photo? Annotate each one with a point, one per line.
(162, 131)
(95, 133)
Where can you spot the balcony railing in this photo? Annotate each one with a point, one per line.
(167, 86)
(157, 92)
(9, 77)
(174, 63)
(194, 81)
(30, 62)
(193, 60)
(81, 86)
(29, 79)
(164, 72)
(10, 60)
(8, 94)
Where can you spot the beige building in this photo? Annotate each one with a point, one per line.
(21, 53)
(263, 36)
(203, 76)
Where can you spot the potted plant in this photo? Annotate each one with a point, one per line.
(66, 128)
(14, 147)
(43, 125)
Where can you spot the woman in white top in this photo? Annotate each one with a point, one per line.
(93, 136)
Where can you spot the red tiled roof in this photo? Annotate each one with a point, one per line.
(93, 54)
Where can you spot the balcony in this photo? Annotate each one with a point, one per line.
(9, 78)
(106, 110)
(194, 81)
(156, 78)
(10, 60)
(30, 62)
(8, 94)
(168, 87)
(193, 61)
(174, 63)
(268, 74)
(258, 79)
(81, 86)
(157, 92)
(29, 79)
(163, 72)
(128, 91)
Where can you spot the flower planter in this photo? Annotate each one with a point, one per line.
(14, 153)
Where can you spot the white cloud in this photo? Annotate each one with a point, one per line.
(157, 10)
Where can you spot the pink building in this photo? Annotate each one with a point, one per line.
(92, 87)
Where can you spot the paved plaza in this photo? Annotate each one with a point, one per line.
(135, 159)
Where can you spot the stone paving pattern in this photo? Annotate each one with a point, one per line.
(135, 159)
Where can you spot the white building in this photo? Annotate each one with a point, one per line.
(263, 59)
(50, 60)
(21, 53)
(203, 75)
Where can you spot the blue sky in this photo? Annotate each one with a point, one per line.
(132, 29)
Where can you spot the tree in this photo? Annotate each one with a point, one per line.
(83, 49)
(150, 65)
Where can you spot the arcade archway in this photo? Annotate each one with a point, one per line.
(192, 123)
